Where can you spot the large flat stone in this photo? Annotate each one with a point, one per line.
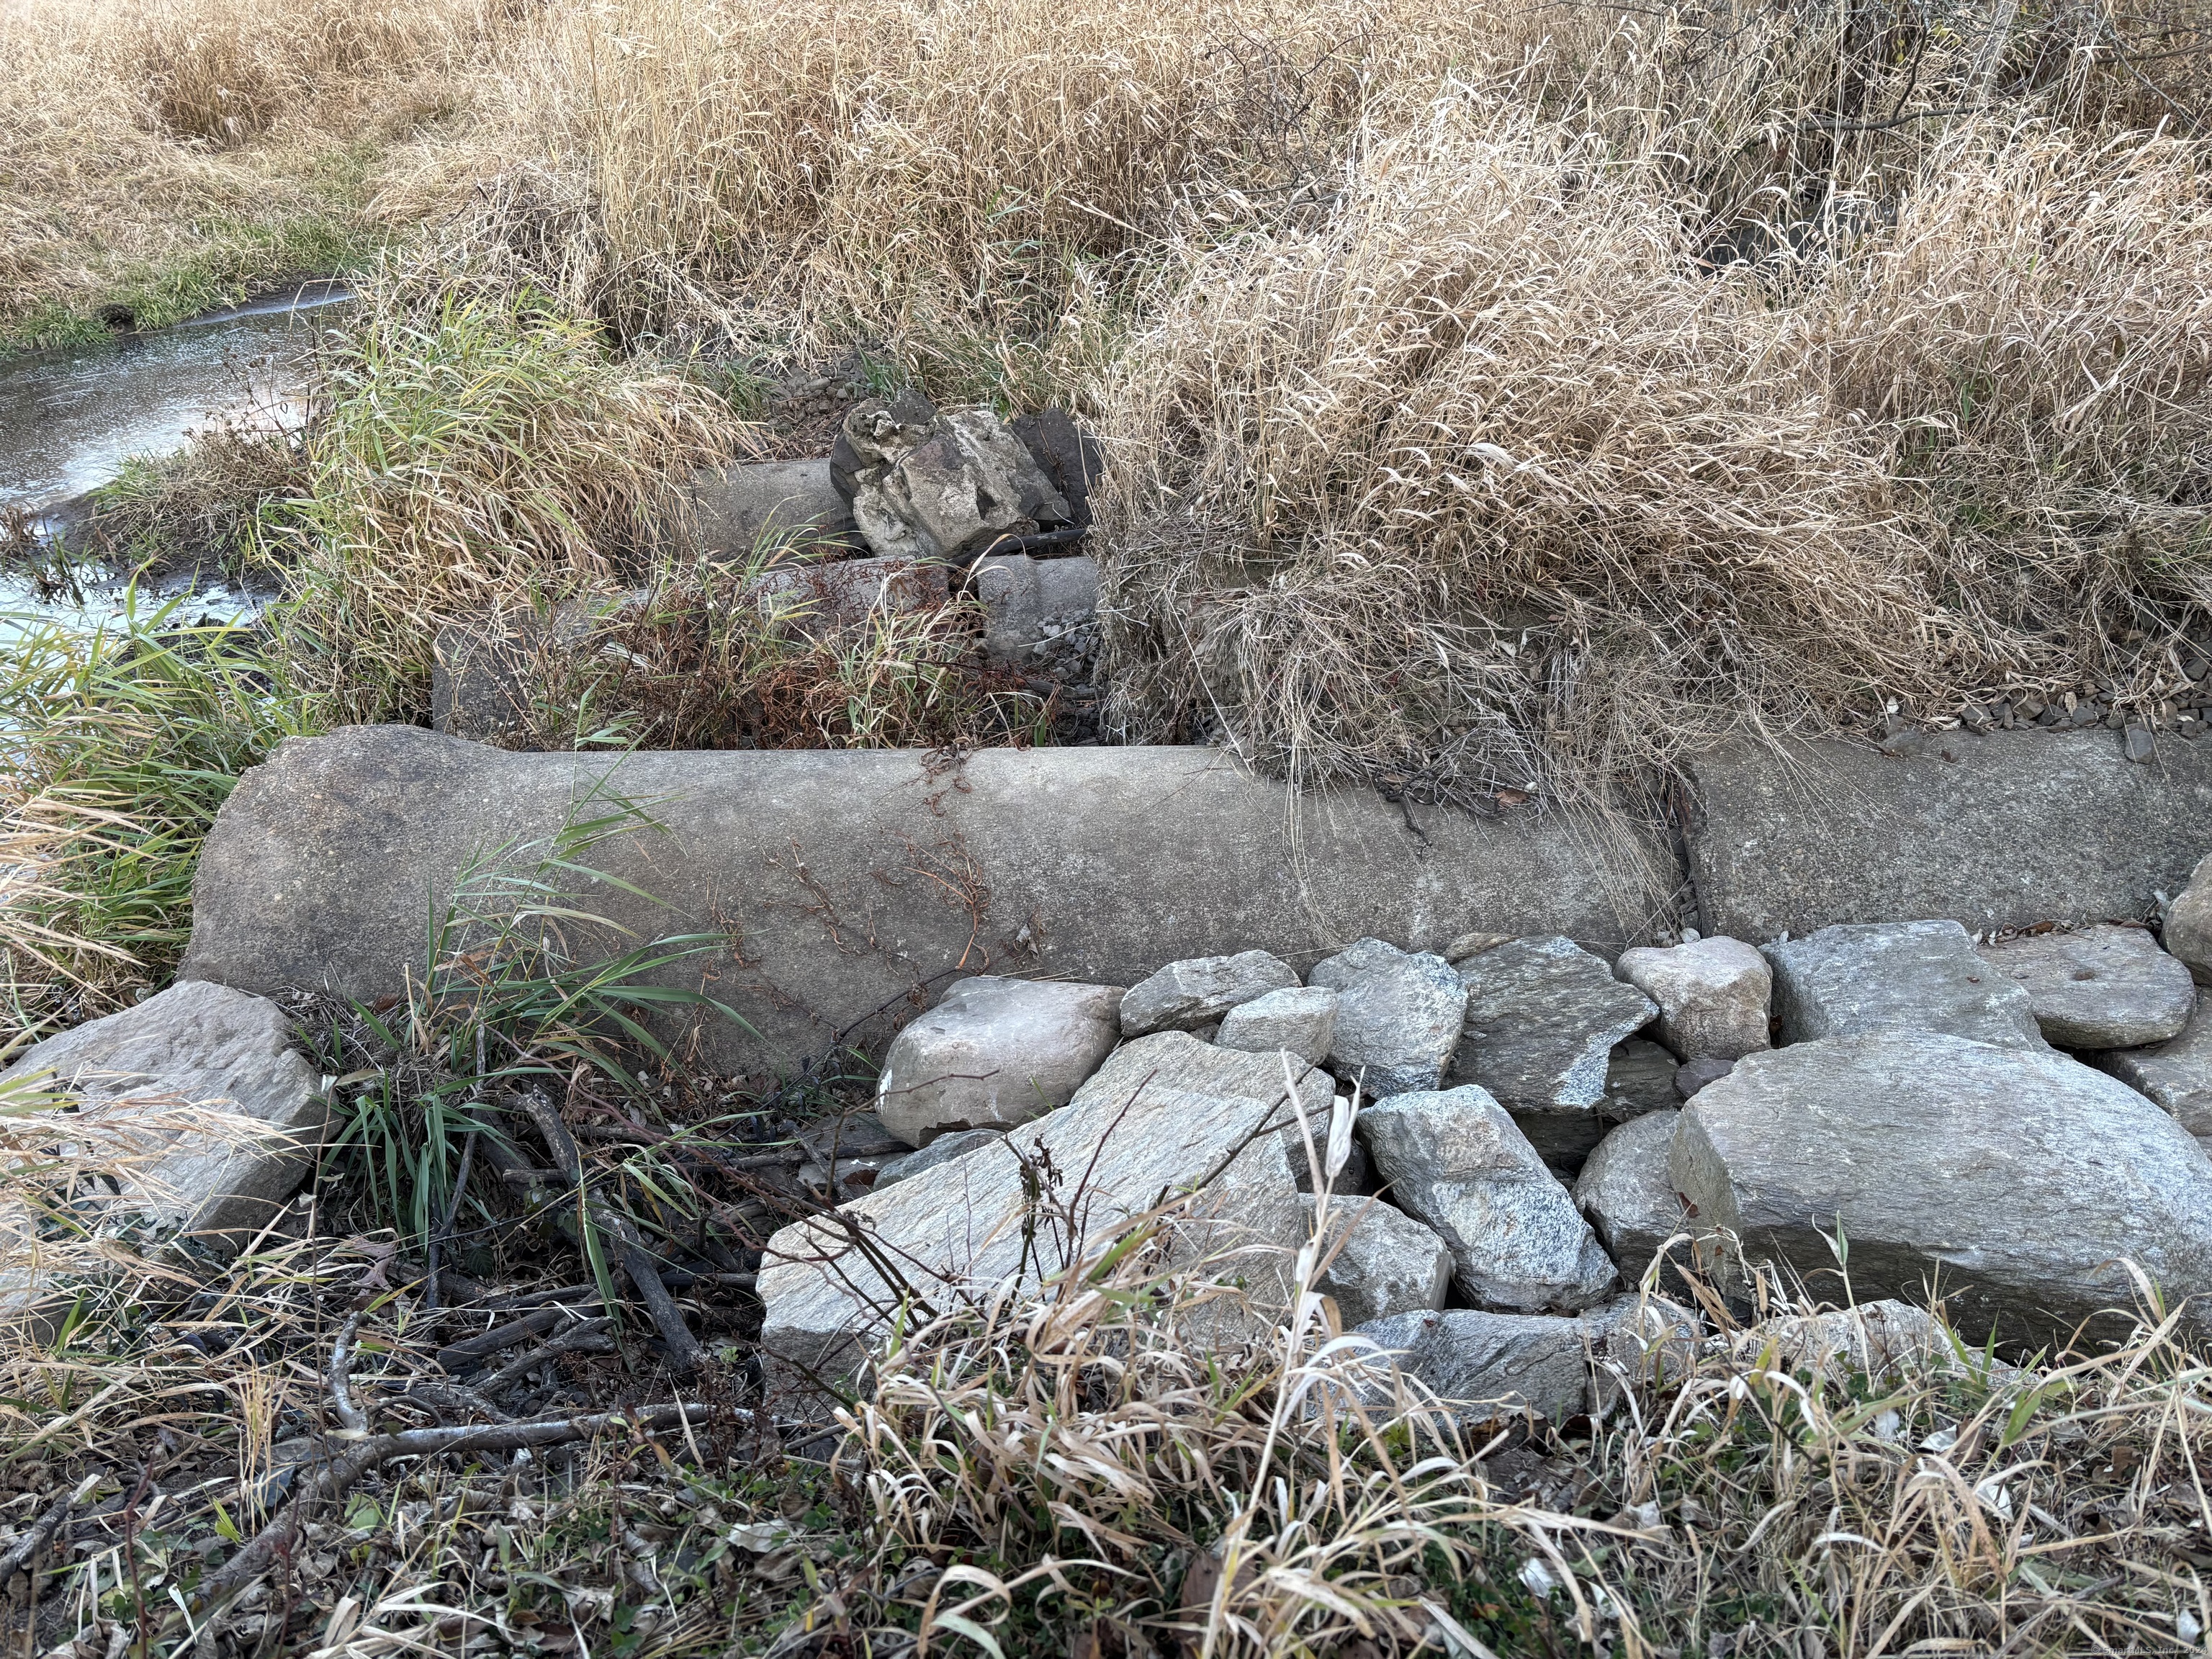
(1899, 976)
(741, 507)
(198, 1045)
(1130, 1141)
(2015, 1179)
(2101, 988)
(2019, 827)
(854, 884)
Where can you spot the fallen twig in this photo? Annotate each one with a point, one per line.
(566, 1342)
(26, 1548)
(339, 1476)
(350, 1417)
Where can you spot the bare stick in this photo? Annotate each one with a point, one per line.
(25, 1550)
(350, 1417)
(339, 1476)
(637, 1263)
(566, 1342)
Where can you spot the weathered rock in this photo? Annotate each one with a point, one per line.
(1896, 977)
(1628, 1191)
(930, 484)
(2176, 1076)
(741, 509)
(1186, 994)
(2015, 827)
(838, 875)
(1878, 1339)
(1023, 597)
(2014, 1177)
(1639, 1077)
(994, 1053)
(941, 1151)
(1542, 1018)
(1456, 1161)
(1712, 995)
(205, 1046)
(1398, 1017)
(1384, 1262)
(2188, 931)
(1129, 1139)
(2102, 988)
(1547, 1365)
(1301, 1018)
(816, 600)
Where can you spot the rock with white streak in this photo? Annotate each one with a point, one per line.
(1381, 1261)
(1301, 1019)
(2176, 1076)
(199, 1046)
(1456, 1162)
(1543, 1016)
(1002, 1218)
(1862, 977)
(994, 1053)
(2101, 988)
(1185, 995)
(1398, 1017)
(2017, 1179)
(1712, 995)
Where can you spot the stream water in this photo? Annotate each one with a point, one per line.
(70, 419)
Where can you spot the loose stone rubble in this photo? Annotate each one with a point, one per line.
(1185, 995)
(2176, 1076)
(1857, 978)
(197, 1045)
(1398, 1016)
(927, 484)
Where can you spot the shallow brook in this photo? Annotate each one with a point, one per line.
(68, 419)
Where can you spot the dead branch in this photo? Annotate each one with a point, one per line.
(350, 1417)
(569, 1341)
(26, 1549)
(339, 1475)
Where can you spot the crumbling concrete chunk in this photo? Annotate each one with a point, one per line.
(931, 484)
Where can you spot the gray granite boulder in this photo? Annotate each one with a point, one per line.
(1132, 1138)
(1384, 1261)
(2188, 931)
(1456, 1161)
(1184, 995)
(2102, 988)
(994, 1053)
(2176, 1076)
(1398, 1017)
(1543, 1016)
(1896, 977)
(1302, 1019)
(1712, 995)
(197, 1045)
(2016, 1179)
(1547, 1366)
(1628, 1191)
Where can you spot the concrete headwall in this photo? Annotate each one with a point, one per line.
(850, 886)
(847, 888)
